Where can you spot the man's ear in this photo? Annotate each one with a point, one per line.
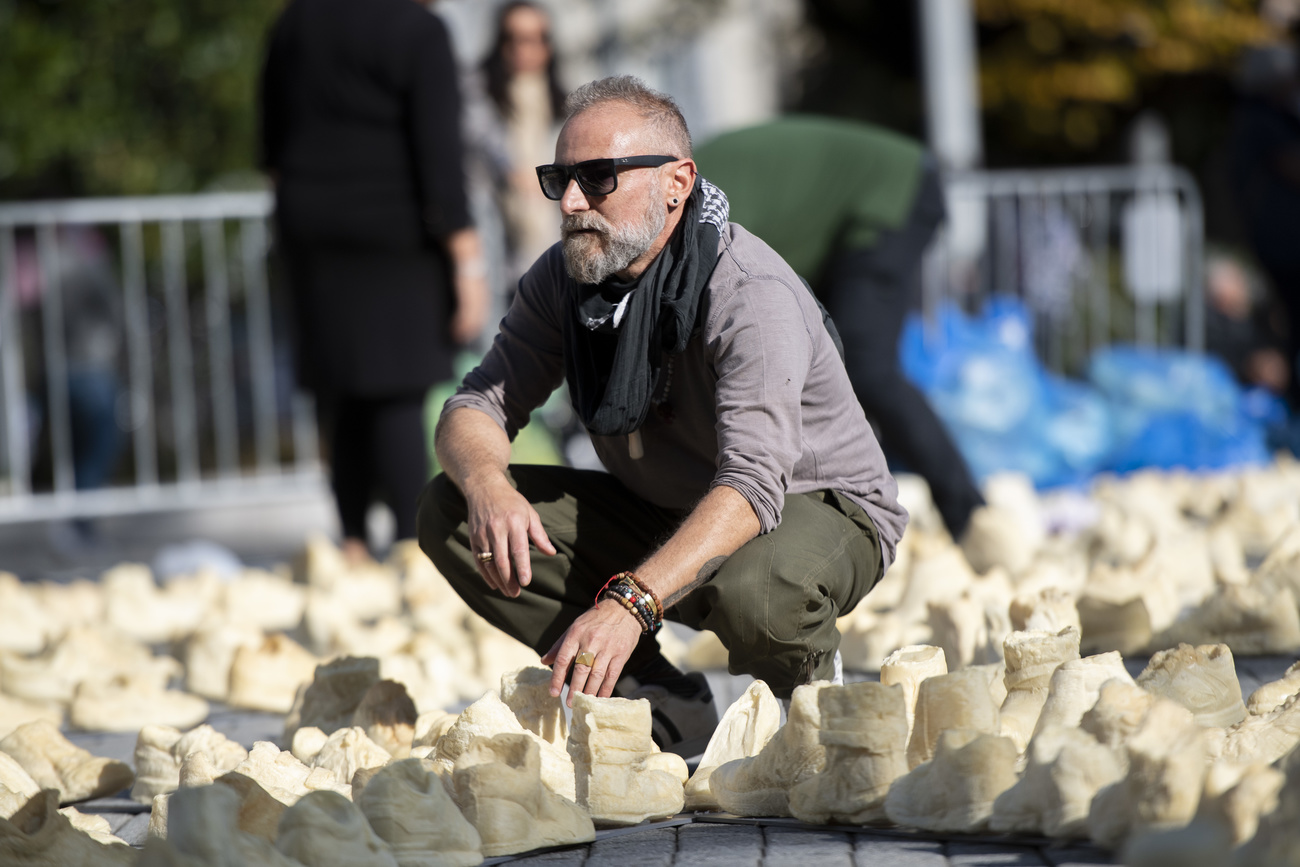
(682, 180)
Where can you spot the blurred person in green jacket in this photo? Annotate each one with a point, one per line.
(852, 207)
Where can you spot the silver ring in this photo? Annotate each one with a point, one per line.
(484, 556)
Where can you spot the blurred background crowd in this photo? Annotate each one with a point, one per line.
(1111, 279)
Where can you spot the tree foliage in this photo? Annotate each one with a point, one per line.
(108, 97)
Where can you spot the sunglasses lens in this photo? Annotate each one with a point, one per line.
(597, 180)
(554, 179)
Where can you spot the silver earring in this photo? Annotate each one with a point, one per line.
(674, 200)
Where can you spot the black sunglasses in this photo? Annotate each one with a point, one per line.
(594, 177)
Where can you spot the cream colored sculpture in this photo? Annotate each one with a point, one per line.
(37, 835)
(431, 675)
(959, 699)
(283, 776)
(1274, 694)
(210, 654)
(1247, 618)
(760, 786)
(1066, 768)
(16, 786)
(997, 537)
(25, 627)
(264, 600)
(431, 725)
(1031, 659)
(490, 716)
(1236, 796)
(939, 572)
(1262, 513)
(307, 743)
(138, 607)
(408, 807)
(527, 692)
(1075, 686)
(387, 715)
(960, 625)
(16, 711)
(1050, 609)
(386, 636)
(92, 825)
(1227, 556)
(996, 675)
(1162, 786)
(1259, 738)
(956, 789)
(84, 654)
(1281, 568)
(1276, 843)
(348, 751)
(334, 695)
(267, 677)
(1118, 713)
(157, 771)
(259, 811)
(56, 763)
(203, 829)
(1202, 679)
(126, 703)
(745, 728)
(621, 777)
(325, 829)
(497, 785)
(907, 667)
(368, 591)
(864, 731)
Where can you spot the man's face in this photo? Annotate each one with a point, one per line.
(604, 235)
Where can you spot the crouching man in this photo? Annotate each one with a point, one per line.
(746, 493)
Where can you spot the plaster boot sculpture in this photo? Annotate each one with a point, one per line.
(16, 711)
(1162, 786)
(1236, 796)
(25, 627)
(264, 600)
(621, 777)
(368, 590)
(382, 638)
(864, 731)
(1248, 618)
(1066, 768)
(259, 811)
(267, 677)
(498, 653)
(126, 703)
(410, 809)
(16, 786)
(387, 715)
(307, 743)
(490, 716)
(939, 571)
(431, 725)
(37, 835)
(1276, 842)
(325, 829)
(760, 786)
(959, 699)
(210, 654)
(87, 653)
(527, 692)
(1281, 568)
(1202, 679)
(745, 728)
(956, 789)
(1259, 738)
(197, 769)
(348, 751)
(1050, 609)
(1262, 513)
(1274, 694)
(996, 537)
(157, 771)
(1227, 557)
(867, 637)
(961, 627)
(54, 762)
(1075, 687)
(497, 785)
(1117, 715)
(203, 827)
(907, 667)
(135, 605)
(334, 694)
(92, 825)
(1031, 659)
(75, 603)
(283, 776)
(996, 674)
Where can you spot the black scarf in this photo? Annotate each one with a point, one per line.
(613, 361)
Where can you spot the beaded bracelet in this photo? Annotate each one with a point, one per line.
(636, 597)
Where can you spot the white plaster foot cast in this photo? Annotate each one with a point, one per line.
(498, 786)
(267, 677)
(956, 789)
(527, 692)
(409, 808)
(347, 751)
(959, 699)
(54, 762)
(864, 731)
(907, 667)
(325, 829)
(387, 715)
(1202, 679)
(333, 696)
(1075, 686)
(37, 835)
(1031, 658)
(203, 828)
(745, 728)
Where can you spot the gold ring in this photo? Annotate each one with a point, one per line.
(484, 557)
(586, 658)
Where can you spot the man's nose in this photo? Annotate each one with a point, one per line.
(574, 199)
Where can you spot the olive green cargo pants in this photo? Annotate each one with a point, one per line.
(773, 603)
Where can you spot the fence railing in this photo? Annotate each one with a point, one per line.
(1099, 255)
(143, 359)
(155, 320)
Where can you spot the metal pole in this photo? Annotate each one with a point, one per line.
(59, 416)
(15, 379)
(952, 102)
(139, 356)
(220, 351)
(261, 355)
(178, 344)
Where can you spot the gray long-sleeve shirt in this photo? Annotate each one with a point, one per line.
(761, 402)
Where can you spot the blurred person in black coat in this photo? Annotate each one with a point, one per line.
(361, 137)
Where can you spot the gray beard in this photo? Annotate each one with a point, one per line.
(590, 259)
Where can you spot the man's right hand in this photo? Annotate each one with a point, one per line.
(502, 522)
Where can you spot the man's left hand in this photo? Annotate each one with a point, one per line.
(610, 633)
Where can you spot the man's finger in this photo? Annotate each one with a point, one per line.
(537, 533)
(580, 678)
(612, 675)
(521, 559)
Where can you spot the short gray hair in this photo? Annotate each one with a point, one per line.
(659, 110)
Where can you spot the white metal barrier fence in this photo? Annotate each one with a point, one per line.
(166, 303)
(1098, 255)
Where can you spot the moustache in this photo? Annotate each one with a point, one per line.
(587, 221)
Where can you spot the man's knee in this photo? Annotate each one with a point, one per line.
(440, 517)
